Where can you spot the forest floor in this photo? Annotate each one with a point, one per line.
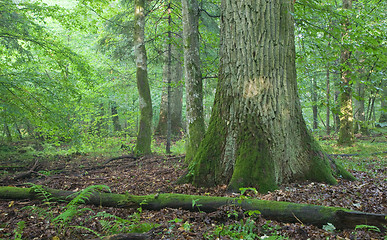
(157, 174)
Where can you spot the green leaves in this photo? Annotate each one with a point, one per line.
(39, 74)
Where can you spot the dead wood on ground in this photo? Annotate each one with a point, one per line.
(281, 211)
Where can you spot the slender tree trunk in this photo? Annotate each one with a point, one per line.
(7, 132)
(257, 136)
(346, 111)
(359, 115)
(168, 145)
(383, 104)
(328, 101)
(314, 107)
(383, 110)
(176, 93)
(100, 126)
(19, 134)
(193, 77)
(336, 112)
(144, 136)
(30, 128)
(115, 117)
(176, 99)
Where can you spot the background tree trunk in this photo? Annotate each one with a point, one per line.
(359, 115)
(193, 77)
(328, 95)
(176, 95)
(346, 111)
(115, 117)
(17, 129)
(383, 104)
(314, 106)
(144, 136)
(257, 136)
(336, 111)
(7, 132)
(100, 120)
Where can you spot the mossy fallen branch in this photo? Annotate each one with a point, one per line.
(275, 210)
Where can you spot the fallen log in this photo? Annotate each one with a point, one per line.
(120, 157)
(27, 173)
(127, 236)
(281, 211)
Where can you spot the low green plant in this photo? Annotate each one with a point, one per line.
(271, 230)
(41, 192)
(19, 230)
(196, 204)
(244, 229)
(244, 190)
(329, 227)
(187, 226)
(368, 227)
(253, 213)
(49, 173)
(72, 208)
(112, 224)
(179, 147)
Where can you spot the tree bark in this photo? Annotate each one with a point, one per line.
(257, 136)
(176, 94)
(383, 104)
(359, 115)
(7, 132)
(314, 106)
(346, 110)
(193, 77)
(169, 126)
(280, 211)
(144, 136)
(336, 111)
(100, 120)
(328, 95)
(115, 117)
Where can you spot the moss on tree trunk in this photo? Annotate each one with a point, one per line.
(257, 136)
(193, 77)
(144, 136)
(346, 131)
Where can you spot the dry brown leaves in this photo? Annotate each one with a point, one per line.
(157, 174)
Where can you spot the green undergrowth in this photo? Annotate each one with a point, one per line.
(63, 218)
(365, 154)
(96, 146)
(177, 147)
(247, 228)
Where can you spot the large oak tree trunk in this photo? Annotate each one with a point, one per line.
(144, 136)
(257, 136)
(280, 211)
